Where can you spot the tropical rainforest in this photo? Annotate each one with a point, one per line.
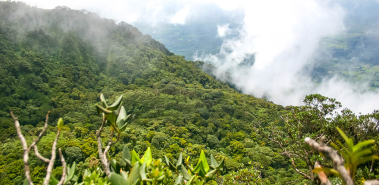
(60, 67)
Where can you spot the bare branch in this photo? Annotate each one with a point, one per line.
(102, 157)
(338, 161)
(298, 171)
(322, 176)
(110, 142)
(52, 160)
(39, 155)
(35, 141)
(371, 182)
(24, 147)
(63, 178)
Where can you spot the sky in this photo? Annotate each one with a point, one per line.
(282, 35)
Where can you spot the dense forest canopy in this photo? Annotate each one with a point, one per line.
(61, 60)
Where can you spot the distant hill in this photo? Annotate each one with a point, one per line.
(353, 54)
(60, 60)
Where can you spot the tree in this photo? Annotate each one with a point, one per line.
(317, 119)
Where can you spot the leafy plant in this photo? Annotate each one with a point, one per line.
(115, 114)
(175, 167)
(353, 155)
(202, 171)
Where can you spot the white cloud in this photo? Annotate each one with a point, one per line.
(223, 30)
(181, 16)
(282, 35)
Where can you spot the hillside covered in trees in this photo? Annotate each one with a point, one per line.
(61, 60)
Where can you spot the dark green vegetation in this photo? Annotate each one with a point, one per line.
(61, 60)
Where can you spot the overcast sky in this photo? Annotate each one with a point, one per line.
(282, 34)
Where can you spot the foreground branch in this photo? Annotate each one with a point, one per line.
(52, 160)
(39, 155)
(338, 161)
(63, 178)
(322, 176)
(103, 156)
(25, 147)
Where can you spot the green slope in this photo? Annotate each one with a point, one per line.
(61, 60)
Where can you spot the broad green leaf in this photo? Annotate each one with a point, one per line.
(221, 164)
(167, 160)
(185, 173)
(203, 160)
(360, 154)
(116, 179)
(122, 128)
(111, 118)
(53, 181)
(366, 159)
(124, 174)
(70, 172)
(126, 153)
(210, 174)
(75, 178)
(180, 159)
(214, 163)
(103, 99)
(336, 147)
(116, 104)
(179, 180)
(122, 117)
(362, 144)
(135, 157)
(147, 157)
(143, 172)
(128, 162)
(114, 165)
(134, 174)
(348, 141)
(60, 123)
(199, 169)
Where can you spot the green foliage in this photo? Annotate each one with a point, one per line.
(243, 176)
(115, 114)
(173, 105)
(354, 155)
(94, 177)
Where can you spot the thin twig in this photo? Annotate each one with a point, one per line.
(52, 160)
(39, 155)
(102, 157)
(298, 171)
(35, 141)
(63, 178)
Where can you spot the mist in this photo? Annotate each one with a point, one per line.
(273, 50)
(284, 39)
